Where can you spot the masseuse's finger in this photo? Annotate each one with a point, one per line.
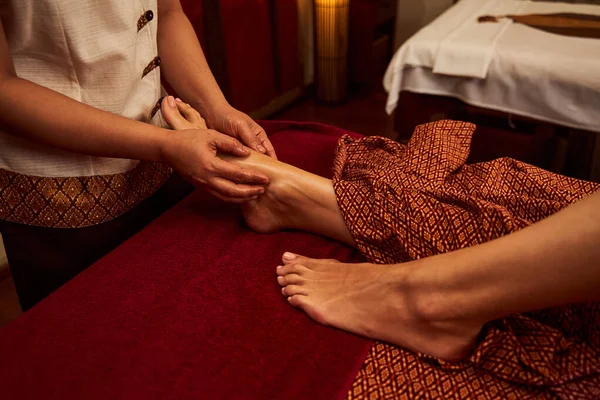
(264, 140)
(227, 144)
(229, 199)
(233, 190)
(255, 137)
(238, 174)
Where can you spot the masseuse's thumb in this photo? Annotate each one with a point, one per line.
(227, 144)
(253, 139)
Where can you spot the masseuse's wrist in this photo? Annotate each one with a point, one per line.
(213, 112)
(143, 142)
(163, 145)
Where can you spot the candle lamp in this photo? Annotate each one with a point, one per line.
(331, 49)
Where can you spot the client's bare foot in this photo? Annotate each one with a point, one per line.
(294, 199)
(375, 301)
(180, 115)
(267, 214)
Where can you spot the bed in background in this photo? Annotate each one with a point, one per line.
(534, 95)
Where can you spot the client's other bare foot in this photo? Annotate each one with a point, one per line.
(375, 301)
(180, 115)
(294, 199)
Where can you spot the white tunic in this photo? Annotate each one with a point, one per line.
(101, 53)
(90, 51)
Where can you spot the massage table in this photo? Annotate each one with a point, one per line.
(534, 95)
(189, 308)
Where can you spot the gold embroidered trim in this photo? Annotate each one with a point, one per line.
(79, 201)
(153, 64)
(156, 107)
(144, 19)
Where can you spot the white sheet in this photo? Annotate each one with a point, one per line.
(531, 73)
(469, 48)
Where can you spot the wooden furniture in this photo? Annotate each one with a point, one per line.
(372, 29)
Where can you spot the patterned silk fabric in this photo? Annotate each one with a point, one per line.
(407, 202)
(76, 202)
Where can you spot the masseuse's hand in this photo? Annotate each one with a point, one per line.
(240, 126)
(193, 154)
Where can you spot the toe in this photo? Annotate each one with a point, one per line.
(306, 304)
(292, 290)
(288, 258)
(191, 115)
(297, 301)
(291, 258)
(291, 279)
(310, 263)
(171, 114)
(291, 269)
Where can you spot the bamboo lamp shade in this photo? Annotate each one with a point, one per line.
(332, 19)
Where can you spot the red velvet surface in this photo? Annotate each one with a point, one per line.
(247, 30)
(188, 308)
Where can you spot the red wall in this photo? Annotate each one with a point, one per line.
(254, 48)
(247, 29)
(290, 67)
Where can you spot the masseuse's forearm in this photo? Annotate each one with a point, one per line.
(43, 115)
(184, 65)
(551, 263)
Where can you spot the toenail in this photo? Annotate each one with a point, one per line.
(178, 100)
(289, 256)
(280, 279)
(283, 290)
(279, 266)
(171, 101)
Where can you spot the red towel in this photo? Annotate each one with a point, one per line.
(188, 308)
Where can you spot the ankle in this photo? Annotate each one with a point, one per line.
(287, 198)
(428, 298)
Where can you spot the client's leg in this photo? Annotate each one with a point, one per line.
(295, 199)
(438, 305)
(367, 299)
(435, 305)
